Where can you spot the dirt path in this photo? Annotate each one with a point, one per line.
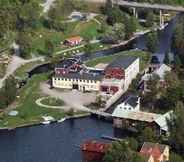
(15, 63)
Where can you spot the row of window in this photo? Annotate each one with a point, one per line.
(76, 80)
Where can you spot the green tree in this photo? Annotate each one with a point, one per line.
(148, 134)
(24, 42)
(121, 152)
(130, 26)
(49, 48)
(167, 59)
(152, 41)
(175, 158)
(150, 19)
(9, 91)
(176, 125)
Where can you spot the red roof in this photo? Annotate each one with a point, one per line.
(153, 149)
(74, 39)
(93, 146)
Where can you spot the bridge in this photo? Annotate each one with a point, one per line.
(160, 7)
(149, 6)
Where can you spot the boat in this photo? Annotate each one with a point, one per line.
(47, 119)
(46, 122)
(61, 120)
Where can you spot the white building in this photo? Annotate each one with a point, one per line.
(80, 81)
(131, 104)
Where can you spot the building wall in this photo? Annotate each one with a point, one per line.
(131, 72)
(83, 85)
(127, 107)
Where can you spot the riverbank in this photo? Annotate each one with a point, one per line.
(77, 116)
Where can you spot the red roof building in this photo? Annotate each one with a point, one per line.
(93, 151)
(157, 151)
(73, 41)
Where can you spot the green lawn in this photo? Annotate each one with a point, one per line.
(87, 30)
(144, 58)
(51, 101)
(29, 111)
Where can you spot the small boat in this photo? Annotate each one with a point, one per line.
(47, 119)
(46, 122)
(61, 120)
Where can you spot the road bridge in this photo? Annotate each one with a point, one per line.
(149, 6)
(160, 7)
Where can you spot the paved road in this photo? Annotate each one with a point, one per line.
(15, 64)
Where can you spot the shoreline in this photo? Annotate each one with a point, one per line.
(78, 116)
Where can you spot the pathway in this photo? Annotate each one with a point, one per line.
(47, 5)
(39, 103)
(15, 63)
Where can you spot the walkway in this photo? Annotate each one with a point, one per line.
(149, 5)
(39, 103)
(15, 63)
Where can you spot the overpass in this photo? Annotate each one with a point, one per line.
(148, 6)
(160, 7)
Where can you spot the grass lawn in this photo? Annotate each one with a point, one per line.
(29, 111)
(144, 58)
(22, 71)
(51, 101)
(87, 30)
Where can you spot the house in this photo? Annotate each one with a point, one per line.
(81, 81)
(160, 71)
(93, 151)
(73, 41)
(155, 152)
(132, 103)
(120, 73)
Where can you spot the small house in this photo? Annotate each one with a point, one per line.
(73, 41)
(93, 151)
(132, 103)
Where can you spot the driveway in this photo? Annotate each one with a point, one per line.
(73, 98)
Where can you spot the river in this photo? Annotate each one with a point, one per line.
(57, 142)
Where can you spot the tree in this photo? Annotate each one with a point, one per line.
(175, 158)
(88, 48)
(150, 19)
(148, 134)
(24, 42)
(8, 92)
(49, 48)
(121, 152)
(152, 41)
(176, 124)
(167, 59)
(130, 26)
(177, 62)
